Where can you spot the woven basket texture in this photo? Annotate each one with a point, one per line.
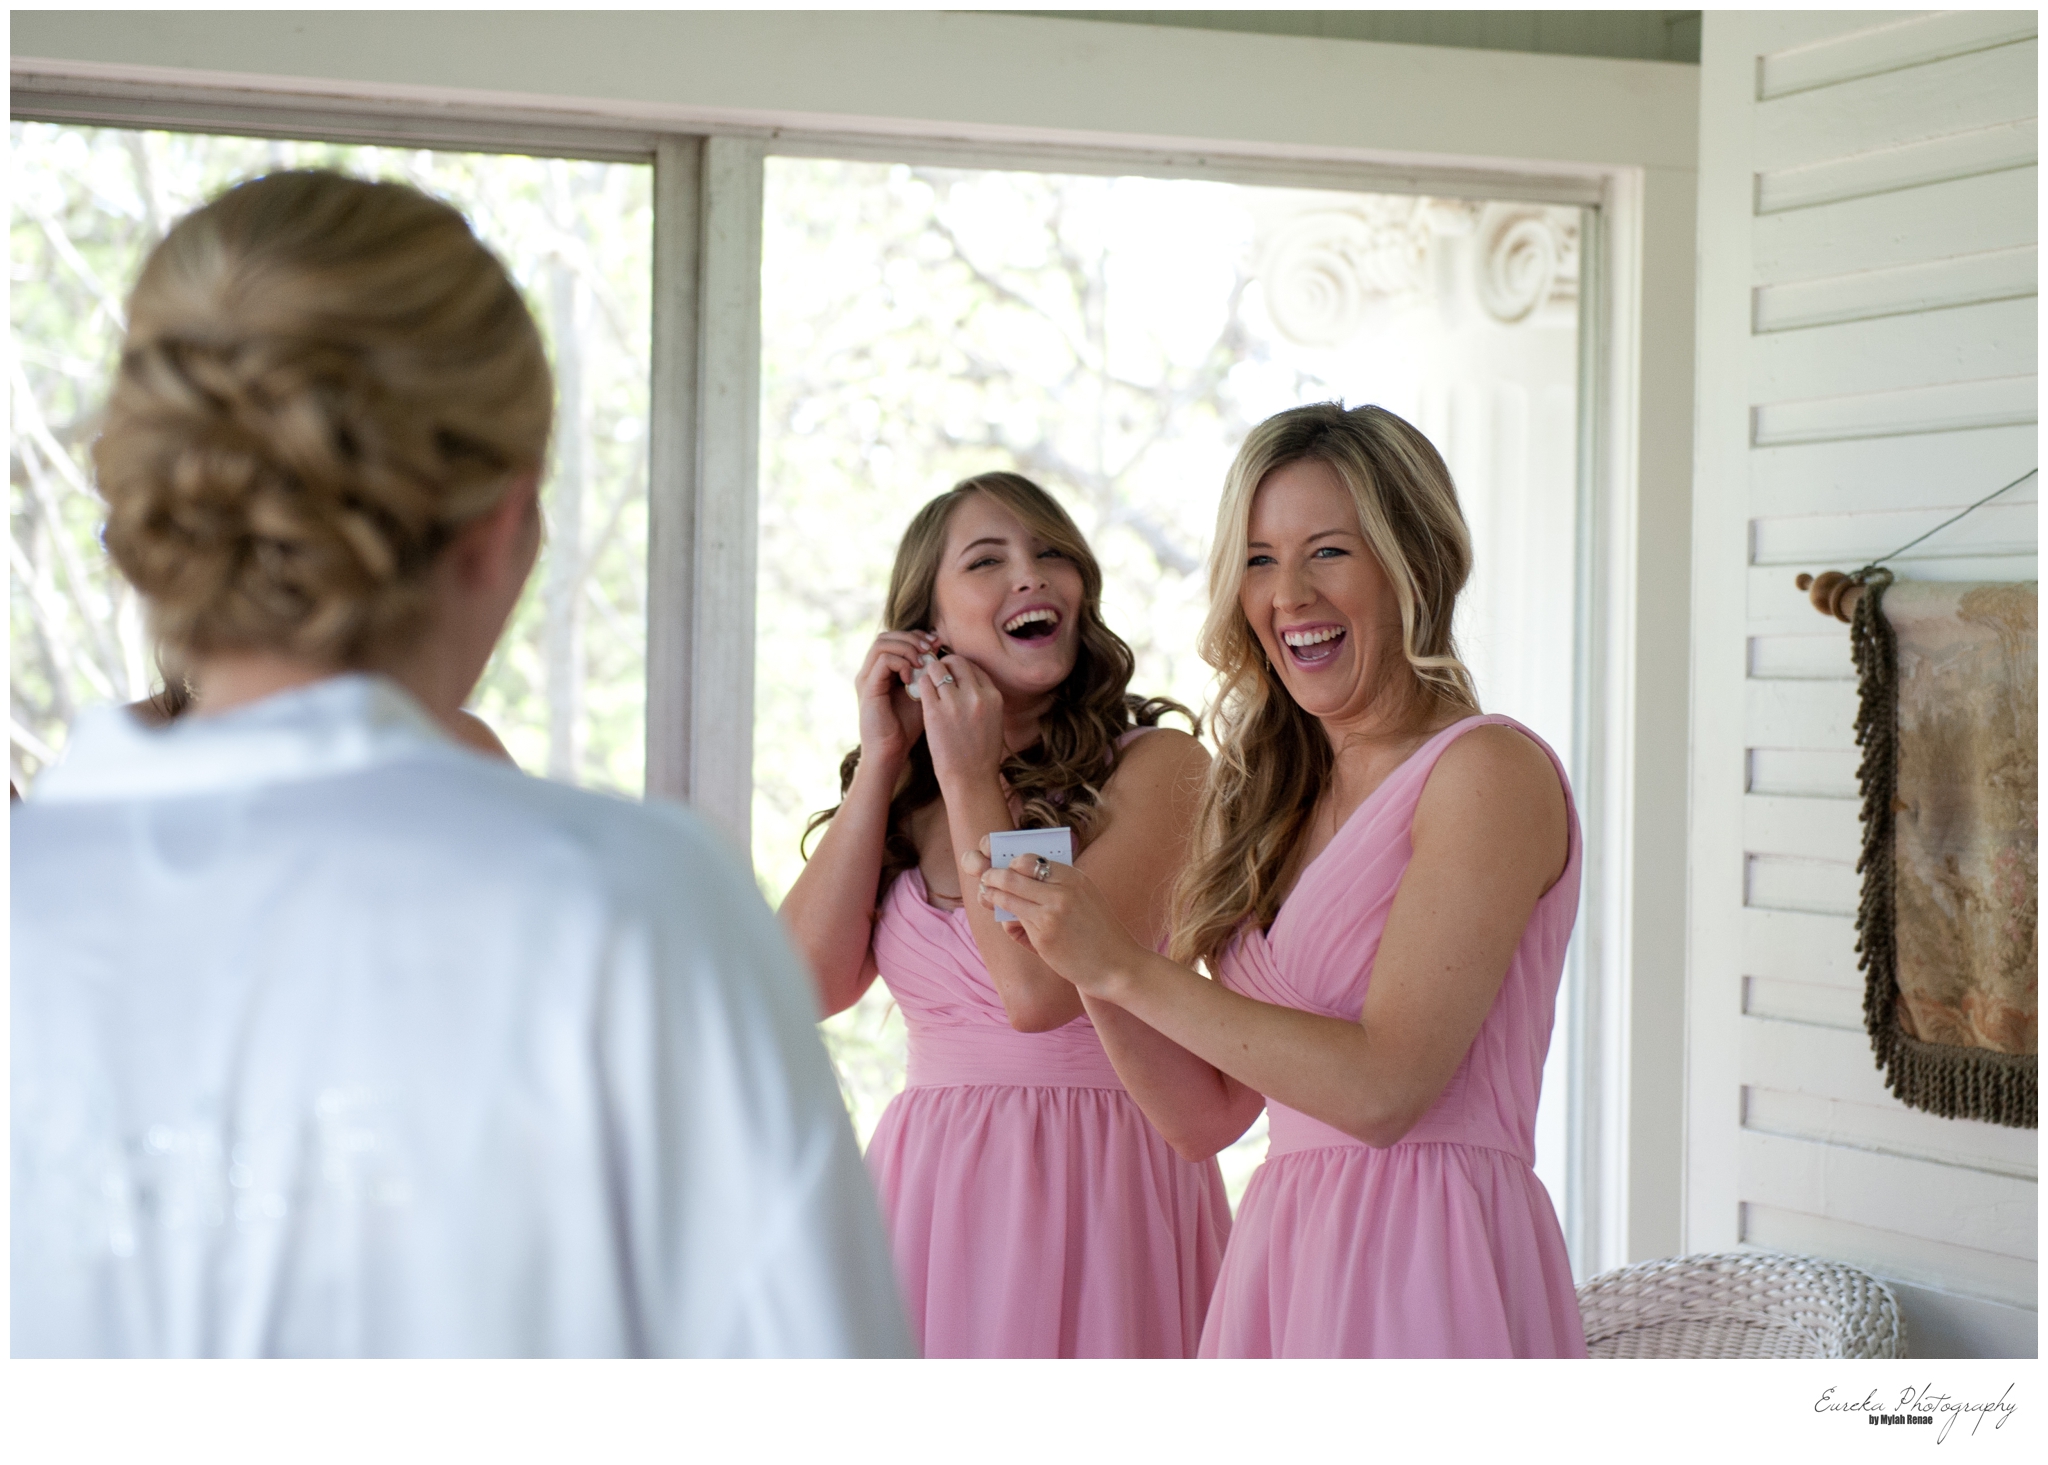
(1740, 1304)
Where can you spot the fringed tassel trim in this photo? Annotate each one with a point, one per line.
(1954, 1082)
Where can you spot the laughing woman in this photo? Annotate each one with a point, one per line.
(1032, 1211)
(1383, 883)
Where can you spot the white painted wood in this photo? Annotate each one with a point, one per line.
(1793, 1057)
(2005, 527)
(1002, 79)
(1907, 42)
(1821, 829)
(172, 102)
(1998, 274)
(1891, 1254)
(1867, 367)
(1821, 657)
(1955, 216)
(1956, 1204)
(1892, 1129)
(1958, 155)
(1822, 773)
(1896, 353)
(1940, 407)
(1930, 470)
(1208, 164)
(1720, 758)
(1796, 946)
(1650, 572)
(1800, 714)
(728, 495)
(1804, 1002)
(1767, 33)
(1942, 1324)
(1886, 110)
(1786, 883)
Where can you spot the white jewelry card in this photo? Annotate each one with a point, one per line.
(1006, 845)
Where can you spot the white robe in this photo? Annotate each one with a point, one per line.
(333, 1038)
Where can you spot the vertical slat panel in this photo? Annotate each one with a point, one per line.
(1841, 414)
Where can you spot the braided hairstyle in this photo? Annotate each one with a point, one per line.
(323, 379)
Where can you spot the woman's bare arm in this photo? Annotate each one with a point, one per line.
(1203, 1108)
(830, 910)
(1489, 838)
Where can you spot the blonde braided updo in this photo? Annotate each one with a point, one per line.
(323, 379)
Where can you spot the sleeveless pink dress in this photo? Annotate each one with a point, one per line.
(1444, 1245)
(1032, 1210)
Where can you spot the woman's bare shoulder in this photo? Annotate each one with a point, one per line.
(1160, 754)
(1496, 756)
(1495, 787)
(474, 733)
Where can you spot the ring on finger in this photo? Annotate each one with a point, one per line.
(947, 680)
(1044, 870)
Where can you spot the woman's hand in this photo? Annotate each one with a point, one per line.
(890, 719)
(963, 723)
(1063, 917)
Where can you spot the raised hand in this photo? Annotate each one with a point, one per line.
(890, 719)
(963, 722)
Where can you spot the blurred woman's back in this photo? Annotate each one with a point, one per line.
(331, 1036)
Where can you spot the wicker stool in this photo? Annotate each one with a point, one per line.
(1740, 1304)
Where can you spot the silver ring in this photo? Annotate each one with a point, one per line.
(1044, 870)
(947, 680)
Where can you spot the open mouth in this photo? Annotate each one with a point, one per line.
(1032, 625)
(1314, 647)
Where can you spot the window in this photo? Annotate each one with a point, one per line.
(567, 688)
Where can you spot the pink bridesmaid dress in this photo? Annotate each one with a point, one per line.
(1444, 1245)
(1032, 1210)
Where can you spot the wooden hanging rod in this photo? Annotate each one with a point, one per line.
(1832, 593)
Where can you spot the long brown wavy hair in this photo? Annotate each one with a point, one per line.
(1060, 777)
(1273, 758)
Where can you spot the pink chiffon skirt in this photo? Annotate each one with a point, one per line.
(1045, 1222)
(1420, 1250)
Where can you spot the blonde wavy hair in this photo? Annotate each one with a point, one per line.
(1060, 778)
(1272, 757)
(323, 379)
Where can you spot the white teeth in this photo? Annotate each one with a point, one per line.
(1028, 617)
(1312, 638)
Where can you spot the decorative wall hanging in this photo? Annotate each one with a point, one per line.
(1946, 717)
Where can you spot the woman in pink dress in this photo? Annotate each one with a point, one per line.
(1383, 882)
(1032, 1211)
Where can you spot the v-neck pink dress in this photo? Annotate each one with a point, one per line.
(1032, 1210)
(1444, 1245)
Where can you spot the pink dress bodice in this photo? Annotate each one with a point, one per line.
(1444, 1244)
(959, 1031)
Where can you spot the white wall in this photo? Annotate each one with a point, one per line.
(1867, 328)
(1620, 133)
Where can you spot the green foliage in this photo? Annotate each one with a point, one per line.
(87, 206)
